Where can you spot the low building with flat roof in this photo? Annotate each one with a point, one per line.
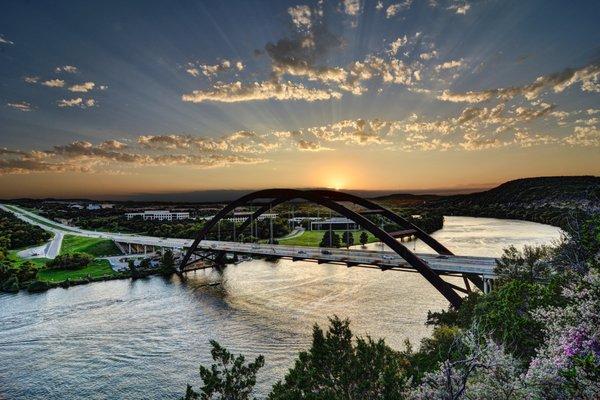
(335, 223)
(159, 215)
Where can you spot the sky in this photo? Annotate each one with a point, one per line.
(113, 98)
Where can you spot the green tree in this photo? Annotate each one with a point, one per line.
(507, 314)
(167, 262)
(336, 368)
(27, 271)
(531, 264)
(133, 270)
(364, 238)
(330, 239)
(230, 378)
(11, 285)
(348, 238)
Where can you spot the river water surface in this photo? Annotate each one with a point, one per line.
(144, 339)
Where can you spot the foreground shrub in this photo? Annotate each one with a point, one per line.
(507, 314)
(337, 368)
(567, 366)
(228, 379)
(70, 261)
(484, 371)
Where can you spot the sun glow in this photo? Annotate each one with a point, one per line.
(337, 183)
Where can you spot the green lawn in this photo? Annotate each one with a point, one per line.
(96, 269)
(313, 238)
(93, 246)
(17, 261)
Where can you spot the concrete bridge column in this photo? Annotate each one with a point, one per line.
(487, 285)
(129, 248)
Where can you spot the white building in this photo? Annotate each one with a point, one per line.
(335, 223)
(243, 216)
(159, 215)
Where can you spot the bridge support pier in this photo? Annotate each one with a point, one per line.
(487, 285)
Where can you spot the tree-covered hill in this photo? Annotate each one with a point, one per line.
(582, 192)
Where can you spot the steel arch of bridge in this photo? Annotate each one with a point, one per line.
(329, 200)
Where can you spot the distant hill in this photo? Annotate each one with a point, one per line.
(581, 192)
(407, 199)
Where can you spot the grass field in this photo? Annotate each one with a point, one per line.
(17, 261)
(313, 238)
(96, 269)
(93, 246)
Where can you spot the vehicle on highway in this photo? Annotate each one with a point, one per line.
(301, 252)
(326, 252)
(386, 257)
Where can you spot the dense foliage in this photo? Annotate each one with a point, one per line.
(330, 239)
(15, 233)
(69, 261)
(18, 233)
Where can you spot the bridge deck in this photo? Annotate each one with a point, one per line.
(445, 264)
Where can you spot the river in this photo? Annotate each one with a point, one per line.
(144, 339)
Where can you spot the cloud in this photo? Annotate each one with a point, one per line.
(460, 7)
(54, 83)
(429, 55)
(588, 76)
(31, 79)
(84, 156)
(588, 136)
(112, 144)
(467, 97)
(210, 71)
(307, 145)
(477, 141)
(525, 139)
(397, 44)
(449, 65)
(66, 68)
(240, 92)
(351, 7)
(301, 16)
(236, 142)
(82, 87)
(21, 106)
(303, 49)
(193, 71)
(76, 102)
(4, 40)
(394, 9)
(322, 74)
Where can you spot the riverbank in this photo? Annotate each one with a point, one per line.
(33, 275)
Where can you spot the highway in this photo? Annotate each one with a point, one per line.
(386, 259)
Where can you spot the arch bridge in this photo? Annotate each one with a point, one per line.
(476, 271)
